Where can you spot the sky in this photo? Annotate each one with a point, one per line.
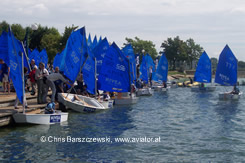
(211, 23)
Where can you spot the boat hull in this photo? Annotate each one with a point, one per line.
(229, 96)
(204, 89)
(84, 104)
(57, 117)
(144, 92)
(107, 104)
(126, 99)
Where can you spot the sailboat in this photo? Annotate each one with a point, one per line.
(145, 91)
(203, 74)
(115, 76)
(161, 74)
(226, 73)
(16, 60)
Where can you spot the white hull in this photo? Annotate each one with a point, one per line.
(174, 86)
(204, 89)
(57, 117)
(82, 104)
(126, 100)
(157, 87)
(160, 88)
(229, 96)
(107, 104)
(144, 92)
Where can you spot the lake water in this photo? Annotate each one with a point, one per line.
(192, 127)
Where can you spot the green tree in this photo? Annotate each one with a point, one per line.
(241, 65)
(139, 45)
(175, 50)
(50, 41)
(65, 36)
(18, 31)
(194, 51)
(36, 37)
(214, 63)
(4, 26)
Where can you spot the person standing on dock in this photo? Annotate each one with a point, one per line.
(41, 76)
(33, 80)
(50, 83)
(5, 71)
(32, 65)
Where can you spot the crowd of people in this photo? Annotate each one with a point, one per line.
(40, 80)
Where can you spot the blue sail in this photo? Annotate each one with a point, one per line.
(15, 60)
(144, 70)
(4, 47)
(42, 57)
(95, 42)
(226, 73)
(89, 73)
(75, 54)
(129, 53)
(99, 52)
(150, 62)
(57, 59)
(161, 74)
(89, 42)
(99, 40)
(114, 77)
(33, 54)
(203, 72)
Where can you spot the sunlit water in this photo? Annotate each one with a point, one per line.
(193, 127)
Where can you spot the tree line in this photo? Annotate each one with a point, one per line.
(43, 37)
(175, 49)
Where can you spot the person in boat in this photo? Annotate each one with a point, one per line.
(150, 71)
(235, 90)
(106, 96)
(50, 84)
(202, 85)
(164, 85)
(133, 88)
(138, 71)
(191, 81)
(40, 76)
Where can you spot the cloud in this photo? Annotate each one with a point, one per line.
(211, 23)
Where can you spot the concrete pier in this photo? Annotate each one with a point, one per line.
(7, 107)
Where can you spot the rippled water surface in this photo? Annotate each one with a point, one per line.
(193, 127)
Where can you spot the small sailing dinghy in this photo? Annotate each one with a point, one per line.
(80, 103)
(146, 91)
(161, 74)
(203, 75)
(115, 76)
(226, 74)
(56, 117)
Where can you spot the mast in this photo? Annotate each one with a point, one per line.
(23, 80)
(129, 73)
(95, 76)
